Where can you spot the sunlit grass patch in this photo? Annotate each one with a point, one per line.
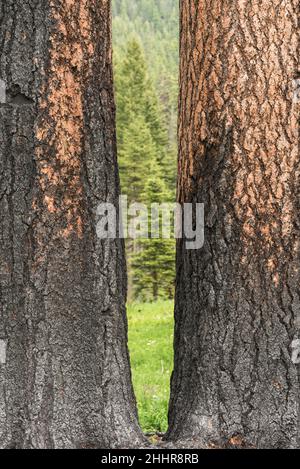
(151, 352)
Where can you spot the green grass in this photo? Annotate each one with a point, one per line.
(151, 352)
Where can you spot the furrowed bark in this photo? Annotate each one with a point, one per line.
(64, 368)
(236, 377)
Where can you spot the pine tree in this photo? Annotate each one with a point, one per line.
(154, 25)
(146, 170)
(131, 87)
(153, 263)
(136, 154)
(65, 380)
(236, 374)
(136, 99)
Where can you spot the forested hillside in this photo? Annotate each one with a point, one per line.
(155, 24)
(145, 36)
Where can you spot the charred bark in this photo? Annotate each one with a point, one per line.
(64, 368)
(236, 377)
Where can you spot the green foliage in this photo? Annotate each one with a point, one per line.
(140, 120)
(146, 42)
(154, 262)
(154, 25)
(151, 353)
(136, 152)
(153, 269)
(131, 86)
(143, 149)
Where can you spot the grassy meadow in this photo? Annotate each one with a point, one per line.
(151, 353)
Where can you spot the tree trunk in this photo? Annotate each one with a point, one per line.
(64, 369)
(236, 378)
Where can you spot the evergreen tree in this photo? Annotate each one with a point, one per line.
(131, 87)
(136, 153)
(153, 263)
(155, 24)
(65, 379)
(236, 376)
(137, 108)
(146, 170)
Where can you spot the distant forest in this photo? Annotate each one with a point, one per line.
(145, 38)
(155, 24)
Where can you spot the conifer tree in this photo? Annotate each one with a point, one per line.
(153, 263)
(65, 380)
(146, 170)
(137, 100)
(236, 374)
(136, 153)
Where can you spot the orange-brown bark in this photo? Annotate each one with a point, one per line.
(65, 377)
(238, 298)
(61, 125)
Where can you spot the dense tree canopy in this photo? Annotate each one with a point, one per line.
(147, 169)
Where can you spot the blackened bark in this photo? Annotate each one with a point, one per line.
(236, 379)
(64, 369)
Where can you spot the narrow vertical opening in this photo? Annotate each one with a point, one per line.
(145, 40)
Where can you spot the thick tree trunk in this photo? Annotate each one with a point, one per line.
(64, 369)
(236, 379)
